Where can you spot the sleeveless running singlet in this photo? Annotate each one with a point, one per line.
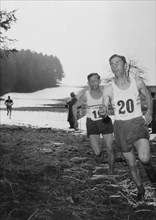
(126, 103)
(93, 107)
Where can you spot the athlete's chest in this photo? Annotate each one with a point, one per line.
(9, 101)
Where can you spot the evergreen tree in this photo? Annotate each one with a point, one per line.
(28, 71)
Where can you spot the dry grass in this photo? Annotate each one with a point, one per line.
(53, 175)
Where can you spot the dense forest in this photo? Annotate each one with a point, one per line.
(27, 71)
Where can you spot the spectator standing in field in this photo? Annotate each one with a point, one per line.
(9, 102)
(92, 100)
(153, 123)
(69, 105)
(130, 127)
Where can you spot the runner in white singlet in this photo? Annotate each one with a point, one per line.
(96, 125)
(130, 128)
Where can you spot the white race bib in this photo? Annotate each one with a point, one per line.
(95, 114)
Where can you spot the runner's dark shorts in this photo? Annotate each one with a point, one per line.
(127, 132)
(9, 107)
(103, 126)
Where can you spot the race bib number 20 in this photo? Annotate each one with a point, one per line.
(125, 107)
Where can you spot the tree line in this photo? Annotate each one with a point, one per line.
(27, 71)
(24, 71)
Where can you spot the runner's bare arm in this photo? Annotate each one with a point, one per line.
(107, 95)
(144, 91)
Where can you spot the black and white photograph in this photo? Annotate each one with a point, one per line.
(77, 110)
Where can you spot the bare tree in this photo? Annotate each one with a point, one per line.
(133, 68)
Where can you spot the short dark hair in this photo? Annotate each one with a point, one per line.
(93, 74)
(153, 94)
(116, 55)
(72, 94)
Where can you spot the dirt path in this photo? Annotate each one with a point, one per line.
(49, 174)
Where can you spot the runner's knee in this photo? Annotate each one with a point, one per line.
(97, 152)
(145, 159)
(96, 149)
(110, 150)
(132, 167)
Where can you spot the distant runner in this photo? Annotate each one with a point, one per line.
(9, 102)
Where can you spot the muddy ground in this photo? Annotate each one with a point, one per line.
(49, 174)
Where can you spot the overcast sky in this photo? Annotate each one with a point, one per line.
(84, 34)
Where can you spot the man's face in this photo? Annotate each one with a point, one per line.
(94, 82)
(118, 67)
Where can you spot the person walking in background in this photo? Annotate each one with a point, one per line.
(92, 100)
(69, 105)
(130, 127)
(9, 102)
(153, 123)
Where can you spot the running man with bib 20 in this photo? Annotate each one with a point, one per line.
(92, 100)
(130, 127)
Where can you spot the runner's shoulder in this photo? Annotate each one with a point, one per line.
(107, 87)
(82, 99)
(108, 90)
(139, 82)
